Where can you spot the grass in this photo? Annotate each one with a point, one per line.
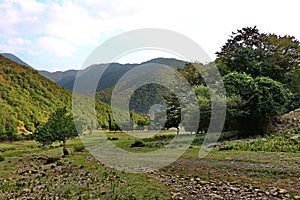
(25, 171)
(271, 143)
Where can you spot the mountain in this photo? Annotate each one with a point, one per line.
(65, 79)
(27, 98)
(14, 58)
(141, 100)
(179, 64)
(111, 75)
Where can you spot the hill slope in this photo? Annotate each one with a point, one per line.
(109, 77)
(14, 58)
(27, 98)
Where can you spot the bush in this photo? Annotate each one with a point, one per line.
(271, 143)
(51, 160)
(78, 149)
(113, 138)
(137, 144)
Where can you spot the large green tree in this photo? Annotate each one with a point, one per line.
(262, 54)
(59, 127)
(253, 102)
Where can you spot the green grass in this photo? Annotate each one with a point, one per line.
(24, 172)
(271, 143)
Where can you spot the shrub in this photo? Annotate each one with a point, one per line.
(137, 144)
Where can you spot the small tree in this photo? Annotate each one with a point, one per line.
(59, 127)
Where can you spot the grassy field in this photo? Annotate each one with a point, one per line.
(32, 172)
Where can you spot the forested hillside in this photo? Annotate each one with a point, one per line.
(27, 99)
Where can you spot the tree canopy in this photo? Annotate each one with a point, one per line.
(59, 127)
(253, 102)
(262, 54)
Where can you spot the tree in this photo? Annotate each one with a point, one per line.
(8, 125)
(173, 112)
(191, 74)
(254, 102)
(141, 124)
(59, 127)
(260, 54)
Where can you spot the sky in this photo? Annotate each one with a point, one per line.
(60, 34)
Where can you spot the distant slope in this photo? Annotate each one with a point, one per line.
(27, 98)
(65, 79)
(142, 99)
(14, 58)
(179, 64)
(110, 76)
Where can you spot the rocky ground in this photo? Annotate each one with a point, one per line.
(288, 122)
(234, 179)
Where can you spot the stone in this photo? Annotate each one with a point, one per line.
(282, 191)
(234, 189)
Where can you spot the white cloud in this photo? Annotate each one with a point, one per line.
(81, 23)
(19, 41)
(30, 6)
(17, 49)
(57, 46)
(65, 27)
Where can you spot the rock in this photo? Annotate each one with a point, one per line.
(275, 194)
(296, 137)
(214, 188)
(234, 189)
(282, 191)
(215, 196)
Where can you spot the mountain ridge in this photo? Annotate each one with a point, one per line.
(16, 59)
(109, 78)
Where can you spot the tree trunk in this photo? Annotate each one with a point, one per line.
(65, 151)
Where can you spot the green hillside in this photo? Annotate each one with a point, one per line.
(27, 99)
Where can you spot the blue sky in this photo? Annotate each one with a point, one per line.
(59, 35)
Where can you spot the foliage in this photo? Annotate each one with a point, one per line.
(137, 143)
(144, 97)
(254, 102)
(27, 99)
(192, 122)
(191, 74)
(59, 127)
(261, 54)
(8, 124)
(173, 111)
(272, 143)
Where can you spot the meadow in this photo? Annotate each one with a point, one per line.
(232, 170)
